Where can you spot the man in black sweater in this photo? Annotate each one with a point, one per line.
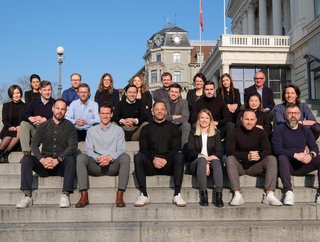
(130, 114)
(216, 106)
(159, 155)
(249, 153)
(289, 141)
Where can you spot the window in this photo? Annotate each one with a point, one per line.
(176, 58)
(158, 58)
(316, 8)
(200, 57)
(177, 76)
(154, 76)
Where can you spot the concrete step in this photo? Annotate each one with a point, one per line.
(231, 231)
(12, 180)
(158, 213)
(157, 195)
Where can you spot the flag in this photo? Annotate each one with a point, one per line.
(201, 18)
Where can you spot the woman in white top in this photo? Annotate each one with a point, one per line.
(204, 153)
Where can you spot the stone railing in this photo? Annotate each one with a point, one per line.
(254, 40)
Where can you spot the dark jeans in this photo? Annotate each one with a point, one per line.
(66, 169)
(82, 134)
(144, 167)
(288, 167)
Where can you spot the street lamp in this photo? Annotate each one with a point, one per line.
(60, 51)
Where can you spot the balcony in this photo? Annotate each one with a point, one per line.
(271, 41)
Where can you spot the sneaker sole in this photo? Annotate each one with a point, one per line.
(141, 205)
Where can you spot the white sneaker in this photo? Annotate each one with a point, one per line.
(25, 202)
(289, 198)
(237, 199)
(271, 199)
(178, 201)
(142, 200)
(64, 201)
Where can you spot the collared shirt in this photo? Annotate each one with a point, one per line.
(87, 111)
(108, 141)
(58, 140)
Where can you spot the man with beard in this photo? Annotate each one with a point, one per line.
(161, 94)
(216, 106)
(159, 155)
(289, 141)
(58, 138)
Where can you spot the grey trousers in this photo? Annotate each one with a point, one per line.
(198, 167)
(86, 166)
(267, 165)
(26, 132)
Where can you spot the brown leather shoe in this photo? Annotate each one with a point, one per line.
(119, 199)
(84, 199)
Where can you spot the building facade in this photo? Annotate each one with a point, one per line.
(170, 50)
(280, 37)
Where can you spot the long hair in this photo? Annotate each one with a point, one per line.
(211, 128)
(143, 84)
(101, 87)
(255, 94)
(296, 89)
(222, 88)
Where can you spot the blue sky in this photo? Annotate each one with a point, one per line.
(98, 36)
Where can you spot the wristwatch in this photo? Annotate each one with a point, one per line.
(312, 154)
(59, 159)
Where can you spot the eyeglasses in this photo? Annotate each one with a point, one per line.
(293, 113)
(258, 78)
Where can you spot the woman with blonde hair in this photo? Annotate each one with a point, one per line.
(204, 153)
(106, 93)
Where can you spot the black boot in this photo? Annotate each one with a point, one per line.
(4, 157)
(204, 198)
(219, 201)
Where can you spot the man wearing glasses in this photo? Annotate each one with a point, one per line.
(71, 93)
(297, 151)
(266, 93)
(83, 112)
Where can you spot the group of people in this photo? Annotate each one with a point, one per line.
(205, 131)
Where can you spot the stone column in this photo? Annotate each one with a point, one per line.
(245, 24)
(225, 68)
(276, 17)
(250, 12)
(262, 17)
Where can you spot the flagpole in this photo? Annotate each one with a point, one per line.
(200, 31)
(224, 17)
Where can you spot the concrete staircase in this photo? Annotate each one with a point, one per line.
(159, 221)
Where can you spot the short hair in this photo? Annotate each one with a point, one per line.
(73, 74)
(45, 83)
(296, 89)
(130, 85)
(209, 83)
(85, 85)
(12, 88)
(248, 110)
(158, 101)
(106, 105)
(292, 105)
(201, 75)
(175, 85)
(166, 74)
(60, 100)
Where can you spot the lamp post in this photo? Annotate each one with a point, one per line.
(60, 51)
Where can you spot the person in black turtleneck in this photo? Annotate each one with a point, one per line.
(249, 153)
(131, 114)
(216, 106)
(159, 155)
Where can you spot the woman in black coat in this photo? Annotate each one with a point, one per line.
(11, 113)
(204, 153)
